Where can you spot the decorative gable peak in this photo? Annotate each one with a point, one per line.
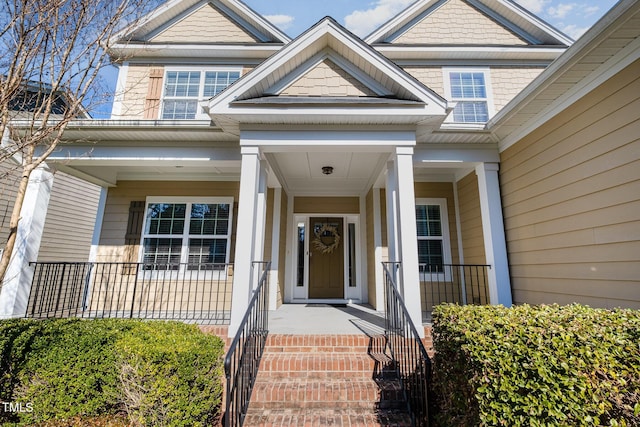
(467, 22)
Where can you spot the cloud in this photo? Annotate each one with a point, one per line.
(574, 31)
(589, 10)
(281, 21)
(535, 6)
(363, 22)
(561, 11)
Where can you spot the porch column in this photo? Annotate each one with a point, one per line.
(275, 249)
(261, 217)
(407, 234)
(97, 228)
(495, 245)
(14, 296)
(392, 212)
(248, 218)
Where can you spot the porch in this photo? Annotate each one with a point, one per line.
(202, 294)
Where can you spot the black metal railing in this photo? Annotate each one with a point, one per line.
(453, 283)
(410, 358)
(200, 293)
(245, 352)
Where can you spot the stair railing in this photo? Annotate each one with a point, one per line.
(245, 352)
(410, 359)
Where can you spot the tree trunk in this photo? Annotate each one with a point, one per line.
(15, 220)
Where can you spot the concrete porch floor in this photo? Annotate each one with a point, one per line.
(323, 319)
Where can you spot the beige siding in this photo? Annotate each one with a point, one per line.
(327, 79)
(116, 213)
(507, 82)
(326, 205)
(431, 77)
(136, 89)
(571, 200)
(442, 190)
(456, 22)
(70, 220)
(206, 25)
(471, 220)
(9, 177)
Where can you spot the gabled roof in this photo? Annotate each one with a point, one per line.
(146, 35)
(506, 13)
(607, 48)
(384, 85)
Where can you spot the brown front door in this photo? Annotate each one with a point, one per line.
(326, 258)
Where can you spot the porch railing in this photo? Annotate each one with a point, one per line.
(200, 293)
(410, 359)
(453, 283)
(245, 352)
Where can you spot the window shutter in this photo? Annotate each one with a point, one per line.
(134, 231)
(154, 93)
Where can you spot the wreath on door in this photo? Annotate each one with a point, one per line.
(323, 234)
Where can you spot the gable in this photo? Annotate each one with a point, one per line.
(457, 22)
(327, 79)
(205, 25)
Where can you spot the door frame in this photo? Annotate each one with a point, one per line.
(300, 294)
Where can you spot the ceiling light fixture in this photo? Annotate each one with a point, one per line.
(327, 170)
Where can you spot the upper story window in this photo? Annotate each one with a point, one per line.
(183, 89)
(469, 89)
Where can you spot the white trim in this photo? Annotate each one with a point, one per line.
(446, 77)
(290, 260)
(505, 23)
(274, 281)
(121, 87)
(362, 254)
(377, 255)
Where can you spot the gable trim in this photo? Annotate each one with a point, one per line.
(505, 23)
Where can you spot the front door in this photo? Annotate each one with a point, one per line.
(326, 258)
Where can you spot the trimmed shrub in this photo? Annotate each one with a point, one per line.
(536, 366)
(86, 372)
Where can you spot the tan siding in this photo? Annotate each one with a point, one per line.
(116, 213)
(326, 205)
(327, 79)
(136, 90)
(471, 220)
(70, 220)
(431, 77)
(456, 22)
(283, 246)
(571, 200)
(206, 25)
(507, 82)
(442, 190)
(9, 178)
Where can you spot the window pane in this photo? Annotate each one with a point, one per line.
(471, 112)
(179, 110)
(162, 251)
(217, 81)
(428, 221)
(209, 219)
(207, 251)
(182, 83)
(166, 218)
(430, 254)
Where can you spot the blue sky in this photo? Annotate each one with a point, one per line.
(364, 16)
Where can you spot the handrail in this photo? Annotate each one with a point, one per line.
(410, 358)
(243, 358)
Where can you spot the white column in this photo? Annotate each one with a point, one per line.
(275, 249)
(14, 296)
(261, 217)
(392, 212)
(245, 235)
(377, 242)
(408, 235)
(494, 237)
(97, 228)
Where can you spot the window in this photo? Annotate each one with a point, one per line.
(433, 234)
(469, 89)
(183, 89)
(192, 234)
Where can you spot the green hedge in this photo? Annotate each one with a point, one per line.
(536, 366)
(153, 373)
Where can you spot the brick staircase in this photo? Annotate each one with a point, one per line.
(320, 380)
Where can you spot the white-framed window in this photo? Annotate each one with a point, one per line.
(187, 233)
(470, 89)
(183, 89)
(434, 247)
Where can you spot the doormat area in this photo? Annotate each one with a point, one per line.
(327, 305)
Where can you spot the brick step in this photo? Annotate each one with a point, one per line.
(344, 394)
(321, 418)
(318, 365)
(322, 343)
